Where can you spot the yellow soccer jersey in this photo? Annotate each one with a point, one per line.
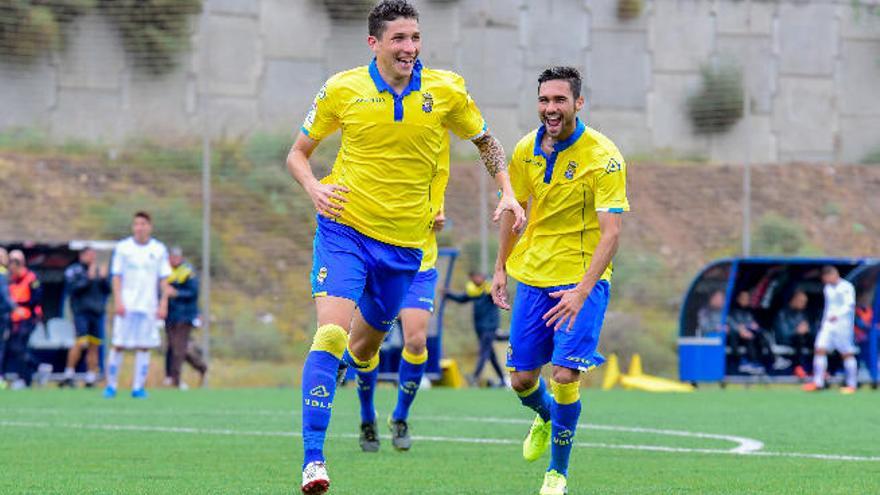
(438, 192)
(390, 145)
(584, 175)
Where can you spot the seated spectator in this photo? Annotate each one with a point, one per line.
(792, 328)
(709, 316)
(745, 331)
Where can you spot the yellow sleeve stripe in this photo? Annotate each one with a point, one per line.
(566, 393)
(330, 338)
(414, 358)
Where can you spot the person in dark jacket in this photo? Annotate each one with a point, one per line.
(792, 328)
(479, 290)
(6, 307)
(183, 310)
(88, 286)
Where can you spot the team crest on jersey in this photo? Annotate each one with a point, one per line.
(613, 166)
(570, 170)
(322, 274)
(319, 391)
(427, 102)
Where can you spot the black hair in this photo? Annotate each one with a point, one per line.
(829, 269)
(387, 11)
(144, 215)
(564, 73)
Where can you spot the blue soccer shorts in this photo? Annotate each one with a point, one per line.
(373, 274)
(533, 344)
(421, 292)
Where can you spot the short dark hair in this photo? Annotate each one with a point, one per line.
(387, 11)
(564, 73)
(144, 215)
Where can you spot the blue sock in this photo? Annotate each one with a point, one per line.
(565, 412)
(319, 388)
(366, 389)
(366, 376)
(412, 369)
(537, 399)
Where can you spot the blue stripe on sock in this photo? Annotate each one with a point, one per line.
(565, 418)
(539, 401)
(409, 380)
(318, 390)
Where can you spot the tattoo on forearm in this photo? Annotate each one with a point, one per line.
(492, 154)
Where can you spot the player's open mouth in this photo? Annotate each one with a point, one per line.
(553, 123)
(404, 63)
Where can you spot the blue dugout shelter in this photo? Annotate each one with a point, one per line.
(705, 357)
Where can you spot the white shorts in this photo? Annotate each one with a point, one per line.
(836, 338)
(135, 330)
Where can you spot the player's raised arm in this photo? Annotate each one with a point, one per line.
(492, 154)
(326, 198)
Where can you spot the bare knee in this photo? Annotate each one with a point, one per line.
(415, 345)
(522, 381)
(565, 375)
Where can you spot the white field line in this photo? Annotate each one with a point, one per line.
(743, 444)
(498, 441)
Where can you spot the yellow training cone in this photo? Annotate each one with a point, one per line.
(635, 366)
(612, 373)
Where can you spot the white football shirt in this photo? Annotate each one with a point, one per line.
(141, 267)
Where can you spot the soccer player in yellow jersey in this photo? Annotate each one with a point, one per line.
(373, 209)
(576, 181)
(415, 317)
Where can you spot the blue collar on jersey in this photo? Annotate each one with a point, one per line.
(558, 147)
(415, 84)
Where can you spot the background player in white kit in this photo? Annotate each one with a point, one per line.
(140, 292)
(836, 332)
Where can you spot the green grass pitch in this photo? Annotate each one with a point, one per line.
(467, 442)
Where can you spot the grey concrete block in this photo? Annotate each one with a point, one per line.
(546, 42)
(670, 126)
(807, 38)
(626, 128)
(88, 114)
(502, 122)
(346, 47)
(618, 72)
(232, 116)
(802, 111)
(754, 55)
(439, 24)
(289, 87)
(492, 65)
(857, 22)
(231, 51)
(164, 107)
(293, 29)
(28, 94)
(858, 137)
(681, 34)
(494, 13)
(745, 18)
(235, 7)
(94, 58)
(747, 140)
(860, 78)
(603, 14)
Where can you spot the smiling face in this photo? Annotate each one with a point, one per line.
(557, 108)
(397, 49)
